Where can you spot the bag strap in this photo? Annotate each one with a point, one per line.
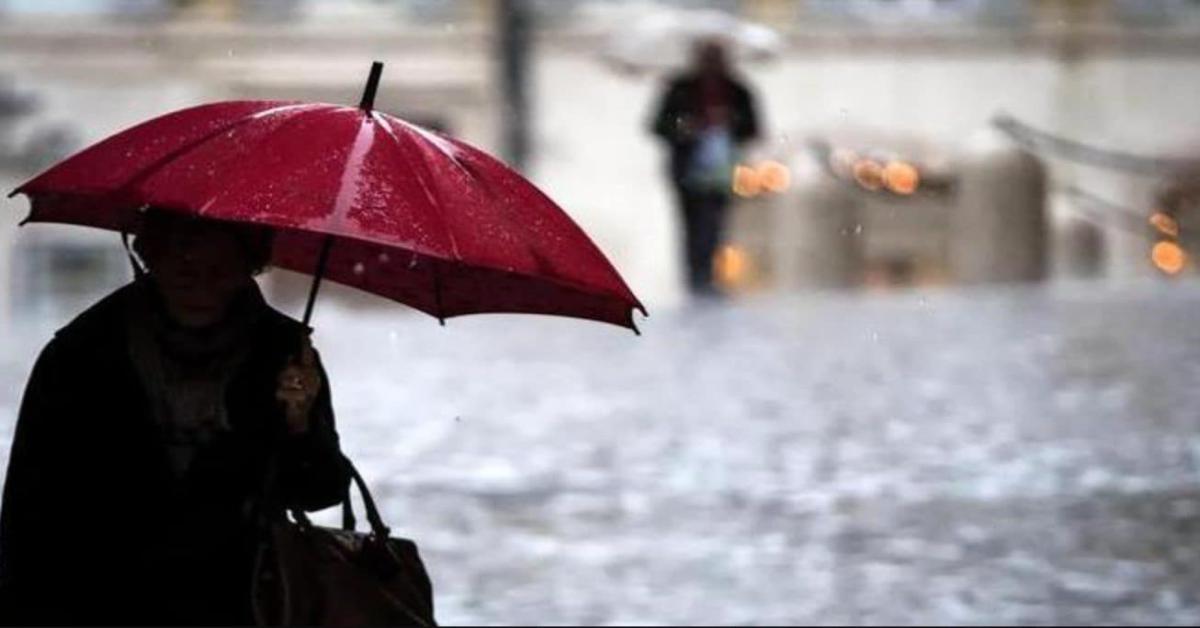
(378, 528)
(349, 522)
(270, 494)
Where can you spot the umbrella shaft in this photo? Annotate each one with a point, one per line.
(316, 284)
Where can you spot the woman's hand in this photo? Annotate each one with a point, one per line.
(297, 388)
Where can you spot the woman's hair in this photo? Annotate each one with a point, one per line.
(157, 224)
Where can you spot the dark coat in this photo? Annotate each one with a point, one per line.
(92, 511)
(678, 111)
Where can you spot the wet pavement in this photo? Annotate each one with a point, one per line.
(998, 456)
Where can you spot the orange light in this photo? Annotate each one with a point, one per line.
(1169, 257)
(747, 183)
(732, 266)
(774, 176)
(1165, 224)
(868, 174)
(901, 177)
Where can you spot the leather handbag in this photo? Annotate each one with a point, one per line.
(308, 575)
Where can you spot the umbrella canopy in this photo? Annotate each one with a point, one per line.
(359, 196)
(657, 39)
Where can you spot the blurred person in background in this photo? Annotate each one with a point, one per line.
(704, 116)
(144, 436)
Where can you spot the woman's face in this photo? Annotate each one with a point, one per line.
(199, 269)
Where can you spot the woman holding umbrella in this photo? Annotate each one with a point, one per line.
(143, 435)
(153, 421)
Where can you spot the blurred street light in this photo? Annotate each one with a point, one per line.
(732, 267)
(901, 177)
(841, 162)
(1169, 257)
(1165, 224)
(747, 182)
(774, 176)
(869, 174)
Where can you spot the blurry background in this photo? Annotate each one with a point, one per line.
(954, 382)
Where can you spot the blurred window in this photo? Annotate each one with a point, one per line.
(1157, 13)
(909, 11)
(436, 10)
(554, 11)
(67, 7)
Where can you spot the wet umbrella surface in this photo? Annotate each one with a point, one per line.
(358, 196)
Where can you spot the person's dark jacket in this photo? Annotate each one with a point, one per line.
(678, 113)
(92, 511)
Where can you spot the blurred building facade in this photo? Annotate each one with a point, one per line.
(881, 166)
(97, 67)
(916, 180)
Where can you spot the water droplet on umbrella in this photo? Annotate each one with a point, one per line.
(359, 268)
(383, 258)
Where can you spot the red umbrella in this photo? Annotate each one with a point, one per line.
(356, 195)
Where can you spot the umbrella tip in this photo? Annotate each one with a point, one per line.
(368, 97)
(631, 322)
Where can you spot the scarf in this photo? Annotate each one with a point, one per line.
(186, 371)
